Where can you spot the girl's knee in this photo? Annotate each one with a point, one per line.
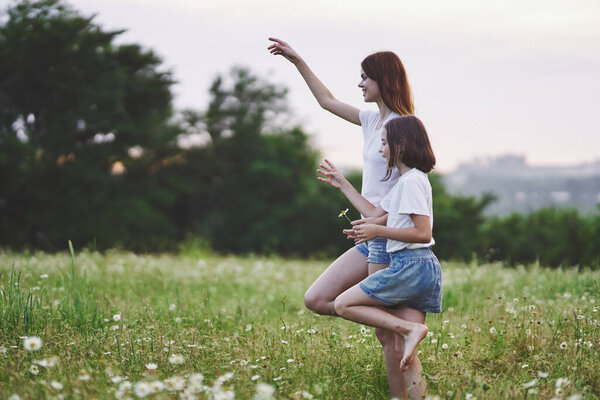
(340, 307)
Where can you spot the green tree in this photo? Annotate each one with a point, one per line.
(71, 104)
(457, 222)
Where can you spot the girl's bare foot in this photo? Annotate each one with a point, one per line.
(411, 340)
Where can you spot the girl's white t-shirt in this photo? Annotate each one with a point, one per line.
(374, 165)
(410, 195)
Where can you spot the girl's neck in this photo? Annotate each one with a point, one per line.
(402, 169)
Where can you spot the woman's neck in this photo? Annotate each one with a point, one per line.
(384, 110)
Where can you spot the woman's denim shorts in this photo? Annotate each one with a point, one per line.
(375, 251)
(413, 279)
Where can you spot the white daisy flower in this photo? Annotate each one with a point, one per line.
(14, 397)
(176, 359)
(142, 389)
(172, 307)
(196, 379)
(32, 343)
(83, 375)
(542, 375)
(151, 366)
(255, 377)
(116, 317)
(156, 386)
(445, 346)
(563, 345)
(562, 382)
(56, 385)
(264, 391)
(174, 384)
(530, 384)
(34, 369)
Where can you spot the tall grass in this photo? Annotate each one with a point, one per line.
(109, 317)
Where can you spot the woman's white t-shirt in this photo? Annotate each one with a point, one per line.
(374, 165)
(410, 195)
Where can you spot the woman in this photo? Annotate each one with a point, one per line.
(383, 81)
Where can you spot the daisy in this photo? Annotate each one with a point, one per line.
(174, 384)
(83, 375)
(142, 389)
(117, 317)
(563, 345)
(176, 359)
(34, 369)
(196, 379)
(255, 377)
(530, 384)
(151, 366)
(264, 391)
(56, 385)
(542, 375)
(562, 382)
(32, 343)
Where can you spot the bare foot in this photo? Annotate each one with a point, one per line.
(411, 340)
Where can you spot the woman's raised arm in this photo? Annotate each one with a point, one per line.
(318, 89)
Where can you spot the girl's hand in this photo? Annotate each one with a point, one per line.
(350, 234)
(281, 48)
(365, 232)
(330, 174)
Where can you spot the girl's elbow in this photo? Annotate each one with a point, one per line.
(426, 237)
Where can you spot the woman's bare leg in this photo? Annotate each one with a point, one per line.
(345, 272)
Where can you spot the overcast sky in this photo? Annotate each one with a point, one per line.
(488, 77)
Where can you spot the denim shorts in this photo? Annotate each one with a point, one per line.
(375, 251)
(413, 279)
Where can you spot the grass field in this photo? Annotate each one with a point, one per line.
(203, 326)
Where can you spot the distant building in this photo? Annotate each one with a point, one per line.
(520, 187)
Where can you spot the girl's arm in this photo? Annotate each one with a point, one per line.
(318, 89)
(421, 233)
(330, 174)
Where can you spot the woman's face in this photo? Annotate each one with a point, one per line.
(370, 88)
(385, 147)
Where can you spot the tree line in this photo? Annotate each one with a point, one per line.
(91, 150)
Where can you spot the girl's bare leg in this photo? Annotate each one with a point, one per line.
(345, 272)
(355, 305)
(392, 353)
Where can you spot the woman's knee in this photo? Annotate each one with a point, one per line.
(315, 303)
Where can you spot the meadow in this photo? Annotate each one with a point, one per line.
(92, 325)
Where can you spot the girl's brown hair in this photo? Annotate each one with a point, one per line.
(386, 69)
(409, 144)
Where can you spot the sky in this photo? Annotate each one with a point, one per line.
(488, 77)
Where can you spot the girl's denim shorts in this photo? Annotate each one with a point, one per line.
(413, 279)
(375, 251)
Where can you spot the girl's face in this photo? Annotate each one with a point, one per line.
(370, 88)
(385, 147)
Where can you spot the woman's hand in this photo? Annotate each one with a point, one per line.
(330, 174)
(365, 232)
(281, 48)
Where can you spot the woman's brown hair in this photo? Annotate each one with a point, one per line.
(386, 69)
(409, 144)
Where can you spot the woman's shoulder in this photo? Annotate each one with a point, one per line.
(368, 117)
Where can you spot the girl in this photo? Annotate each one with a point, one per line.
(383, 81)
(413, 278)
